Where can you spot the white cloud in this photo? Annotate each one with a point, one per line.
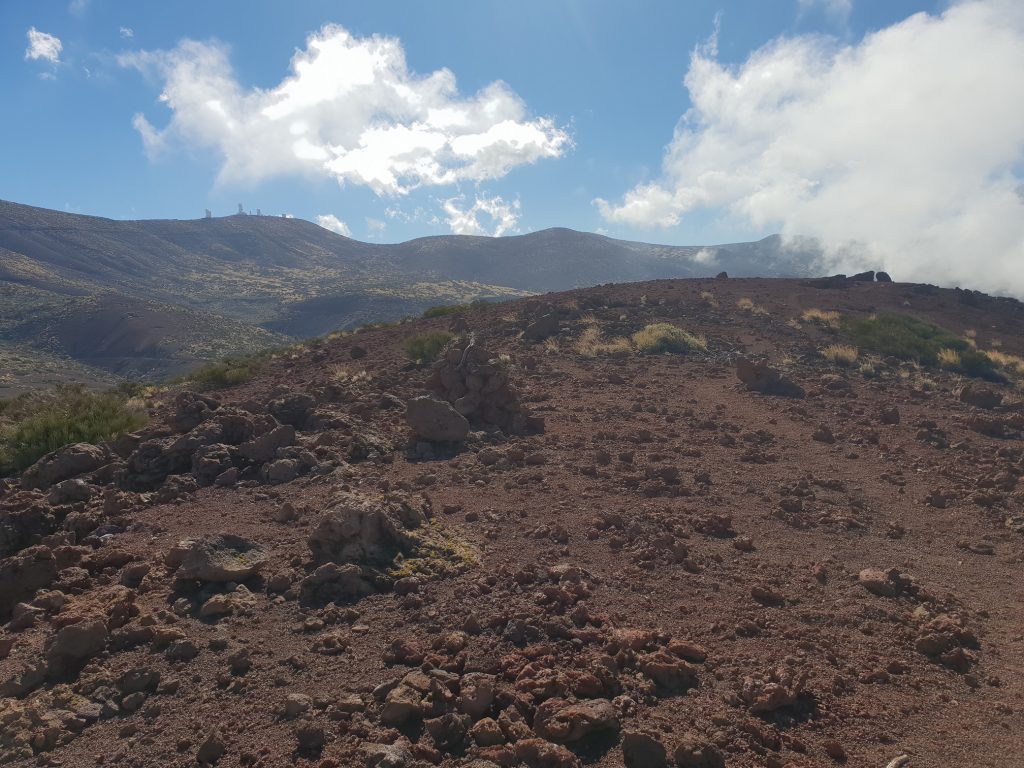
(375, 227)
(504, 216)
(350, 109)
(333, 223)
(902, 151)
(126, 32)
(43, 46)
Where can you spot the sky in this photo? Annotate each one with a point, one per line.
(891, 130)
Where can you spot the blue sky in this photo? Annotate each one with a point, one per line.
(677, 122)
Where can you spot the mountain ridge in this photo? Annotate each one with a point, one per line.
(247, 281)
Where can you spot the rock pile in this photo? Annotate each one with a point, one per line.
(476, 382)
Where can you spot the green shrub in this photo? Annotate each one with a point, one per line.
(443, 310)
(664, 337)
(908, 338)
(425, 347)
(39, 425)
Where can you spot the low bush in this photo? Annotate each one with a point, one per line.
(908, 338)
(228, 372)
(426, 347)
(443, 310)
(664, 337)
(36, 425)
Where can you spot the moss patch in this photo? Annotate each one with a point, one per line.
(437, 552)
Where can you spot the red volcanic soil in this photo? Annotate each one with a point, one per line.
(676, 571)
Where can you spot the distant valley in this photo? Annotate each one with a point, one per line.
(93, 299)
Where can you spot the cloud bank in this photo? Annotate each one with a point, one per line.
(904, 151)
(351, 110)
(333, 223)
(503, 216)
(43, 47)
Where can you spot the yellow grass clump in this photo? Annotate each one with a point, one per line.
(590, 344)
(664, 337)
(748, 305)
(826, 319)
(709, 298)
(840, 354)
(1011, 363)
(948, 358)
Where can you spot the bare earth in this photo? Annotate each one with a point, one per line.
(674, 561)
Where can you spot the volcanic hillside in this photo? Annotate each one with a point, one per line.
(151, 299)
(696, 523)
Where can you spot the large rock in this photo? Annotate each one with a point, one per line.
(264, 447)
(695, 752)
(334, 583)
(758, 376)
(435, 420)
(293, 409)
(224, 557)
(76, 642)
(563, 723)
(476, 382)
(362, 530)
(65, 463)
(980, 397)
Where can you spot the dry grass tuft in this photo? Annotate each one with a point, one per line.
(748, 305)
(949, 358)
(1012, 363)
(840, 354)
(590, 344)
(823, 318)
(709, 298)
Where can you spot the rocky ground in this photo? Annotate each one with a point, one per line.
(614, 560)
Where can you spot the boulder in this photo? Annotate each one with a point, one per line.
(76, 643)
(758, 376)
(264, 447)
(559, 721)
(334, 583)
(863, 277)
(224, 557)
(642, 750)
(293, 409)
(542, 328)
(883, 277)
(695, 752)
(64, 463)
(435, 420)
(980, 397)
(357, 529)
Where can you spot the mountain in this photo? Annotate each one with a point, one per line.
(153, 298)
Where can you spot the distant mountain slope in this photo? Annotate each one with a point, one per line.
(74, 284)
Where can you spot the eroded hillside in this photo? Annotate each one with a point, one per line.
(623, 556)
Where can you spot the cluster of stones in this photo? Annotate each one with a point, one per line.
(476, 382)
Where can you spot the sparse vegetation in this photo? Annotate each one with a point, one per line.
(747, 305)
(426, 347)
(1011, 363)
(444, 310)
(664, 337)
(229, 371)
(908, 338)
(34, 425)
(840, 354)
(825, 319)
(709, 298)
(948, 358)
(590, 344)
